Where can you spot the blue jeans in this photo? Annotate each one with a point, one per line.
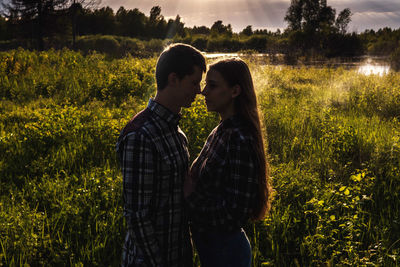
(223, 249)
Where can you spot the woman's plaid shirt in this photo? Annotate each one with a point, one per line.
(226, 173)
(154, 161)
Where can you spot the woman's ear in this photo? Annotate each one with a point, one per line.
(236, 90)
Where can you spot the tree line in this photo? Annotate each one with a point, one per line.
(314, 29)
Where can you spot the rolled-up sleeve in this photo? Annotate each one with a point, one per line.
(138, 169)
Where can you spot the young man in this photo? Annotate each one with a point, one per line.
(155, 160)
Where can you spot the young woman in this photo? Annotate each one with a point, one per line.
(229, 181)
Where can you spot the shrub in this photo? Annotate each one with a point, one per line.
(333, 144)
(395, 59)
(257, 42)
(200, 42)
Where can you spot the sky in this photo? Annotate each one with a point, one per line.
(263, 14)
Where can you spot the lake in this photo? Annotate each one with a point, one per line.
(365, 65)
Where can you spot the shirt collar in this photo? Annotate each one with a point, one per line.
(163, 112)
(231, 122)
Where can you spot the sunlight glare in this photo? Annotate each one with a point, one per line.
(368, 69)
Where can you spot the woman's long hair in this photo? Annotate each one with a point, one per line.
(236, 72)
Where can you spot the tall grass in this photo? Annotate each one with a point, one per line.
(333, 140)
(335, 161)
(65, 75)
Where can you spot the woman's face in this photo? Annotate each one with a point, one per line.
(218, 94)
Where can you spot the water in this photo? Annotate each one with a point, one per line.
(370, 66)
(363, 65)
(220, 55)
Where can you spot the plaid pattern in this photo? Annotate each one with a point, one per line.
(226, 174)
(154, 161)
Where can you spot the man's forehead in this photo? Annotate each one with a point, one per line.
(197, 72)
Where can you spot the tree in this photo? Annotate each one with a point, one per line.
(76, 9)
(201, 30)
(311, 15)
(312, 24)
(131, 23)
(343, 20)
(247, 31)
(326, 18)
(3, 28)
(315, 16)
(157, 25)
(294, 15)
(39, 13)
(155, 14)
(219, 28)
(175, 27)
(104, 20)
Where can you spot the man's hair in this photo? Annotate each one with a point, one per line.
(180, 59)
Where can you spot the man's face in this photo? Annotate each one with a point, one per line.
(189, 87)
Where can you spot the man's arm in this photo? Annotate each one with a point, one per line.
(138, 171)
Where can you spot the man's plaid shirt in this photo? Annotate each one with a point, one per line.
(226, 172)
(154, 161)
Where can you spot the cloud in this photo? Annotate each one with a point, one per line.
(370, 14)
(367, 14)
(377, 6)
(375, 20)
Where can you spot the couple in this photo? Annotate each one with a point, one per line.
(227, 184)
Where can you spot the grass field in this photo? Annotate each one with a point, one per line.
(333, 143)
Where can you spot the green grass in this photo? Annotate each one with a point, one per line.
(333, 142)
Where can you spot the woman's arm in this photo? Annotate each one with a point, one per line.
(236, 198)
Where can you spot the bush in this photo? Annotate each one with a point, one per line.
(395, 59)
(200, 42)
(333, 144)
(223, 44)
(103, 44)
(27, 75)
(376, 96)
(257, 42)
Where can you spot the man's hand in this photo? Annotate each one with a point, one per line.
(188, 185)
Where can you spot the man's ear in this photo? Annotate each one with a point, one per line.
(236, 90)
(172, 79)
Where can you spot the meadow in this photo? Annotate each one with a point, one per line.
(333, 145)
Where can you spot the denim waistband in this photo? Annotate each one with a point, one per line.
(217, 232)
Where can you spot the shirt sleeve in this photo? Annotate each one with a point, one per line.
(233, 204)
(138, 170)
